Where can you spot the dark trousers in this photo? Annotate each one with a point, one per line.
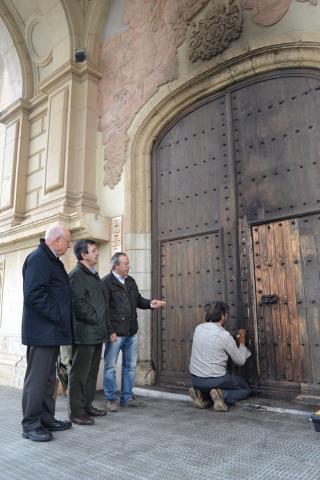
(38, 402)
(83, 377)
(234, 387)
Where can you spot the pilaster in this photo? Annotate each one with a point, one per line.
(14, 140)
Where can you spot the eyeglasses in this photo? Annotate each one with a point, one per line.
(68, 242)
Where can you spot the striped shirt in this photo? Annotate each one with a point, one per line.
(118, 277)
(211, 346)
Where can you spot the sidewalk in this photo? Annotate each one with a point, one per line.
(166, 440)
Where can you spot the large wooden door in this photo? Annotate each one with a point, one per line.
(195, 232)
(191, 277)
(238, 165)
(287, 266)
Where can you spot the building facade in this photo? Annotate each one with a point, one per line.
(185, 132)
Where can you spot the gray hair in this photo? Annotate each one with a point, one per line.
(54, 232)
(115, 259)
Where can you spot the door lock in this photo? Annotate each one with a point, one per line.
(269, 299)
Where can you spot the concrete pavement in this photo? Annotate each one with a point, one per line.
(168, 439)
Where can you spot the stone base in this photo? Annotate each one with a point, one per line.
(145, 373)
(12, 370)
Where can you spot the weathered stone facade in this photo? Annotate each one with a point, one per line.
(76, 137)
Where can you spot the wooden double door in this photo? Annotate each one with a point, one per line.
(235, 211)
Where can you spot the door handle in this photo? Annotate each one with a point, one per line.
(269, 299)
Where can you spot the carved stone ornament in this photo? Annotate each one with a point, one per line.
(38, 38)
(183, 14)
(212, 35)
(135, 63)
(269, 12)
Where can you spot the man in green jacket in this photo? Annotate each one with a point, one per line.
(91, 329)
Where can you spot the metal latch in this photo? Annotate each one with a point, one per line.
(269, 299)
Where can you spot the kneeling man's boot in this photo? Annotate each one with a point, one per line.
(218, 402)
(198, 399)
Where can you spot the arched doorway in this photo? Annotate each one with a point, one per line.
(236, 197)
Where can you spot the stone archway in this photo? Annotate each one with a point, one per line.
(157, 114)
(171, 100)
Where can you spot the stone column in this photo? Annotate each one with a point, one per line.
(137, 240)
(70, 173)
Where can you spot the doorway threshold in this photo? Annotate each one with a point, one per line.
(252, 403)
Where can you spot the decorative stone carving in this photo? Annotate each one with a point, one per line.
(212, 35)
(182, 16)
(39, 39)
(134, 64)
(269, 12)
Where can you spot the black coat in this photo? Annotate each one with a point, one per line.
(123, 301)
(90, 322)
(47, 317)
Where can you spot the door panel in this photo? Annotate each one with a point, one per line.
(286, 264)
(192, 275)
(193, 203)
(276, 147)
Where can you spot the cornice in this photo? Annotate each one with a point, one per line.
(67, 71)
(16, 108)
(25, 234)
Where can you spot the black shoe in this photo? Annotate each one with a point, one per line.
(95, 412)
(82, 420)
(38, 434)
(57, 425)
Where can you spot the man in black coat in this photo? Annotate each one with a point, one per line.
(46, 324)
(123, 300)
(91, 329)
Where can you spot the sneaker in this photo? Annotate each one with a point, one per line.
(218, 402)
(198, 399)
(133, 402)
(111, 406)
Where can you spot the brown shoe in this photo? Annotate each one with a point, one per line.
(82, 420)
(198, 399)
(95, 412)
(111, 406)
(218, 402)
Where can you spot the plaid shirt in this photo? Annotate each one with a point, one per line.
(211, 346)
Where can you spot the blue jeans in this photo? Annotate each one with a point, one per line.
(128, 346)
(234, 387)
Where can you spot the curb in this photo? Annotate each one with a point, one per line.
(144, 392)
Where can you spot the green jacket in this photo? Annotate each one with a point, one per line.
(90, 323)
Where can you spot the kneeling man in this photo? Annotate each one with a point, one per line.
(211, 347)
